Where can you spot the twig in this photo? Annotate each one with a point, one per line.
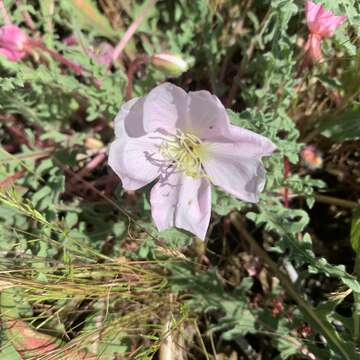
(131, 30)
(336, 201)
(92, 164)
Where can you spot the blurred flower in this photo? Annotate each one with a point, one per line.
(185, 140)
(101, 54)
(311, 157)
(169, 63)
(321, 24)
(13, 42)
(70, 40)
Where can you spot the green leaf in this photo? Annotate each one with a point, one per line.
(89, 16)
(344, 126)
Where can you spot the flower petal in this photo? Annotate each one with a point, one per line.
(327, 23)
(247, 143)
(208, 118)
(163, 106)
(313, 47)
(129, 120)
(321, 21)
(237, 169)
(311, 11)
(12, 55)
(183, 202)
(136, 161)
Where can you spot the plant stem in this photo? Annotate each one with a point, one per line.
(289, 287)
(61, 59)
(356, 305)
(133, 68)
(203, 347)
(286, 175)
(336, 201)
(131, 30)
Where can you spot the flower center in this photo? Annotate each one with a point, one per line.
(185, 151)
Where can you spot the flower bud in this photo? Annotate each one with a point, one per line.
(169, 63)
(311, 157)
(13, 42)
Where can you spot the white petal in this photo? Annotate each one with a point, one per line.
(129, 119)
(183, 202)
(247, 143)
(234, 172)
(163, 107)
(208, 118)
(136, 161)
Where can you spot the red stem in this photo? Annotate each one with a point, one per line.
(133, 68)
(286, 175)
(61, 59)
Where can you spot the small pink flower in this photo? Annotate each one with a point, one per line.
(311, 157)
(185, 140)
(13, 42)
(103, 54)
(321, 24)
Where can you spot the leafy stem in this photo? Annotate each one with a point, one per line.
(307, 309)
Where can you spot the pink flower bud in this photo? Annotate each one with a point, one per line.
(311, 157)
(169, 63)
(13, 42)
(321, 24)
(103, 54)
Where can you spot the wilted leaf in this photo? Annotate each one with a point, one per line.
(29, 343)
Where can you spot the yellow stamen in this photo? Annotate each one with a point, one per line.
(186, 152)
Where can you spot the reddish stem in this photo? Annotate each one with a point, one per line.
(286, 175)
(131, 30)
(55, 55)
(8, 181)
(61, 59)
(133, 68)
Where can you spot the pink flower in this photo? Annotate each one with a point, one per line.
(185, 141)
(321, 24)
(13, 42)
(103, 54)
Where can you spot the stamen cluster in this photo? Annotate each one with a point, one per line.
(185, 151)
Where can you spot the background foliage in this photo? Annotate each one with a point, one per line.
(81, 260)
